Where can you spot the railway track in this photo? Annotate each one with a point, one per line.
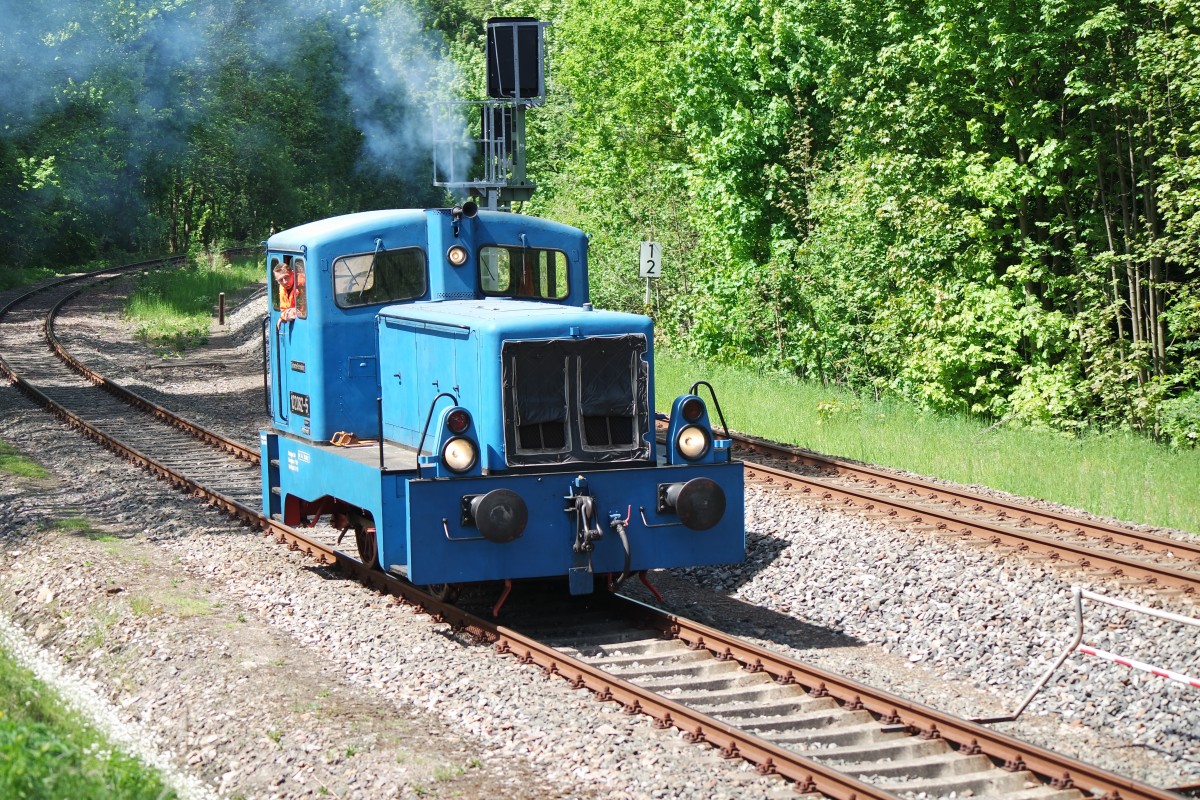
(1156, 561)
(172, 447)
(822, 732)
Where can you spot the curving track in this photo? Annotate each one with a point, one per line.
(825, 733)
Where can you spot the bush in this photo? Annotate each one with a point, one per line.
(1179, 420)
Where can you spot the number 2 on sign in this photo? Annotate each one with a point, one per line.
(651, 262)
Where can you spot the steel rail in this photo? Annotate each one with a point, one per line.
(1056, 549)
(1022, 512)
(809, 776)
(237, 449)
(971, 738)
(768, 758)
(697, 727)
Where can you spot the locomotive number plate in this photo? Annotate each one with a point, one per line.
(299, 404)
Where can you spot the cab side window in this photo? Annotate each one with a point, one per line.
(289, 281)
(385, 276)
(301, 293)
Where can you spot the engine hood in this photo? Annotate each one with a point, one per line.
(518, 319)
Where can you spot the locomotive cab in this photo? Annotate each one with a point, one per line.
(450, 394)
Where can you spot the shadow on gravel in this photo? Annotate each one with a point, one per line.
(682, 596)
(328, 573)
(704, 594)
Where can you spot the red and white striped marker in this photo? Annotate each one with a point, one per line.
(1144, 667)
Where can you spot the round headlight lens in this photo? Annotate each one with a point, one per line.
(459, 454)
(693, 409)
(458, 421)
(693, 442)
(457, 255)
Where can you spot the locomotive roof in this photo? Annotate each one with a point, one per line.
(372, 223)
(364, 222)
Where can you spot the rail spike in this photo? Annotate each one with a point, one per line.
(1065, 782)
(1014, 765)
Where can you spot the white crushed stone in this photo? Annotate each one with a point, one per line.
(83, 699)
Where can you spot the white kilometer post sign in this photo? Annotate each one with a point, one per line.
(651, 264)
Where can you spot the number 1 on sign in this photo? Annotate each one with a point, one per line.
(651, 260)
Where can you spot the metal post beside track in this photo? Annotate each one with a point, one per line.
(1078, 595)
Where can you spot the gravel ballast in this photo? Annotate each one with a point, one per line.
(251, 672)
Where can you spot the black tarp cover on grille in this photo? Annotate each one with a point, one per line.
(563, 380)
(539, 383)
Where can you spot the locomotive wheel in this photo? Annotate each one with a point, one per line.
(444, 592)
(368, 549)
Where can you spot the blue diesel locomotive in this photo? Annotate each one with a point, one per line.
(441, 386)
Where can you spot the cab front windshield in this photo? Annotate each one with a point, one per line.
(528, 272)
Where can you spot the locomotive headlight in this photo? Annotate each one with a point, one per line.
(693, 409)
(458, 420)
(693, 442)
(457, 255)
(459, 454)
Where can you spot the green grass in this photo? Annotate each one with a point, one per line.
(174, 308)
(79, 526)
(46, 751)
(1118, 475)
(12, 462)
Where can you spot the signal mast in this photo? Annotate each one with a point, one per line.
(491, 166)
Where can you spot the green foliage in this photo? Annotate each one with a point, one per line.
(150, 127)
(45, 751)
(1180, 419)
(984, 209)
(14, 277)
(957, 203)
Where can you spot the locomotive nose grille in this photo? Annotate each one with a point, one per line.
(576, 400)
(542, 436)
(608, 431)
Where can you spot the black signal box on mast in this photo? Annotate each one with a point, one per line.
(516, 81)
(514, 59)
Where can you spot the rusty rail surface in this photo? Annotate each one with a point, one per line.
(919, 719)
(134, 399)
(1023, 513)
